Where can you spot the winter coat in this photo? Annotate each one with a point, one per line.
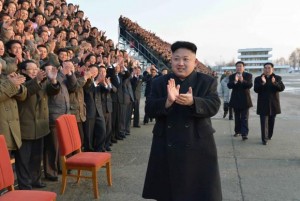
(33, 111)
(240, 95)
(225, 91)
(183, 164)
(268, 95)
(9, 121)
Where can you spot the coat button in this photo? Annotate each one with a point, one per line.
(187, 125)
(170, 145)
(169, 126)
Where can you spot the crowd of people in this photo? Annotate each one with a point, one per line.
(53, 62)
(160, 48)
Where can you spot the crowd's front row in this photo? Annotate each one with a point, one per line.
(267, 86)
(102, 99)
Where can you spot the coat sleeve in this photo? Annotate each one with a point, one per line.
(155, 103)
(32, 87)
(209, 104)
(7, 90)
(278, 85)
(247, 82)
(258, 86)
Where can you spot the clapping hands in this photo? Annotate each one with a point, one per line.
(174, 95)
(16, 79)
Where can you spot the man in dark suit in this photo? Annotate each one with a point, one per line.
(136, 83)
(183, 161)
(268, 86)
(106, 104)
(240, 100)
(94, 126)
(117, 76)
(149, 75)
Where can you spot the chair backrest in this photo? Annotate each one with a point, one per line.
(68, 134)
(6, 171)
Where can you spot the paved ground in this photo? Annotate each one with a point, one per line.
(249, 171)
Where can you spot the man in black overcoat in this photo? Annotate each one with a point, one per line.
(240, 82)
(268, 85)
(183, 164)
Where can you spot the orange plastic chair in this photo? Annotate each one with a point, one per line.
(7, 181)
(73, 159)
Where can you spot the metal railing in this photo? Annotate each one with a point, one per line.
(140, 48)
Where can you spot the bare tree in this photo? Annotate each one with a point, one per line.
(231, 63)
(294, 58)
(281, 61)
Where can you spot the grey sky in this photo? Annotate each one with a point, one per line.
(218, 27)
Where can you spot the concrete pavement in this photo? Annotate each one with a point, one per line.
(249, 171)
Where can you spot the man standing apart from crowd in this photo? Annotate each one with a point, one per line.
(240, 100)
(268, 86)
(183, 161)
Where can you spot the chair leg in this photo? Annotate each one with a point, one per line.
(64, 181)
(108, 173)
(78, 175)
(95, 183)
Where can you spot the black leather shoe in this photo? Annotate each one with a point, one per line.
(108, 149)
(237, 135)
(245, 138)
(51, 178)
(119, 138)
(127, 133)
(114, 141)
(137, 126)
(39, 185)
(264, 143)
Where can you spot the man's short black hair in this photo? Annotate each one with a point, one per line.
(23, 64)
(269, 63)
(43, 46)
(9, 44)
(183, 44)
(239, 62)
(62, 50)
(48, 63)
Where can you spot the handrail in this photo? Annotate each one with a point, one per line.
(158, 61)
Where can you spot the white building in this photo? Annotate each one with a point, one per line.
(255, 58)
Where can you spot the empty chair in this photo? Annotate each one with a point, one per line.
(7, 181)
(73, 159)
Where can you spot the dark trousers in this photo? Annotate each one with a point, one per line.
(123, 116)
(28, 163)
(267, 126)
(115, 121)
(81, 133)
(136, 113)
(146, 117)
(241, 121)
(95, 131)
(51, 159)
(107, 117)
(128, 117)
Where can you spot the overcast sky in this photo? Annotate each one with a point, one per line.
(218, 27)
